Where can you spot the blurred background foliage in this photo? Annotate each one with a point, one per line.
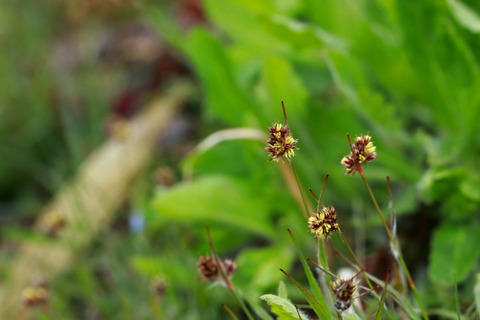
(407, 73)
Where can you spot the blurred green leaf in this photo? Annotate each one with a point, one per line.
(476, 292)
(224, 97)
(259, 267)
(282, 84)
(243, 21)
(215, 199)
(465, 16)
(454, 252)
(303, 35)
(282, 290)
(283, 308)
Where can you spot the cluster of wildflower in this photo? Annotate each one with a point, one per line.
(53, 223)
(210, 270)
(36, 295)
(324, 222)
(344, 290)
(281, 144)
(362, 151)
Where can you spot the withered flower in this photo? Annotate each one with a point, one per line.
(281, 144)
(34, 296)
(324, 222)
(344, 291)
(53, 223)
(362, 151)
(210, 270)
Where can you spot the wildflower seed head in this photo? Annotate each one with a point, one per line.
(362, 151)
(281, 144)
(349, 164)
(34, 296)
(324, 222)
(210, 270)
(53, 223)
(229, 267)
(159, 286)
(344, 291)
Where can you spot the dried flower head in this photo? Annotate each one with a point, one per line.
(159, 286)
(281, 144)
(324, 222)
(35, 296)
(52, 223)
(210, 270)
(362, 151)
(344, 291)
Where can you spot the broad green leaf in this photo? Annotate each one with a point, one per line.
(465, 16)
(454, 252)
(242, 23)
(215, 199)
(280, 83)
(224, 97)
(283, 308)
(259, 267)
(302, 35)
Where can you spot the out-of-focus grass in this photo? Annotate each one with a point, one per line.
(407, 73)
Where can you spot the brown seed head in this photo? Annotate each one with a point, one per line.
(344, 290)
(362, 151)
(281, 144)
(324, 222)
(35, 296)
(210, 271)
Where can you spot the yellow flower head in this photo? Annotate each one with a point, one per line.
(344, 291)
(281, 144)
(362, 151)
(324, 222)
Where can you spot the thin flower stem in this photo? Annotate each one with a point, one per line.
(242, 304)
(226, 279)
(377, 207)
(357, 262)
(297, 180)
(319, 200)
(230, 312)
(393, 239)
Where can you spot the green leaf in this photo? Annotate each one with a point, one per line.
(465, 16)
(303, 35)
(476, 293)
(225, 98)
(259, 267)
(454, 252)
(281, 83)
(215, 199)
(320, 309)
(283, 308)
(282, 290)
(242, 23)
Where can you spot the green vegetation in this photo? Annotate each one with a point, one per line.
(405, 73)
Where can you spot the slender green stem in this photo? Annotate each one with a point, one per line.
(226, 279)
(357, 262)
(377, 207)
(297, 180)
(242, 304)
(398, 254)
(230, 312)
